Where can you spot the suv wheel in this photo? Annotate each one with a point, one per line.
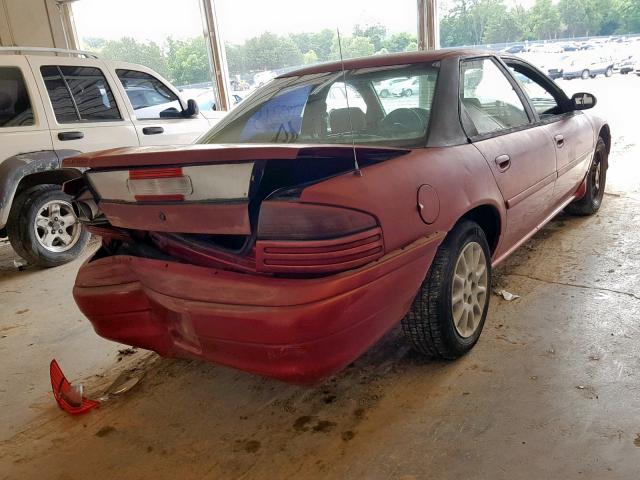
(448, 313)
(43, 229)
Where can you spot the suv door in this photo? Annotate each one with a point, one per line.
(155, 108)
(23, 124)
(499, 122)
(84, 113)
(570, 130)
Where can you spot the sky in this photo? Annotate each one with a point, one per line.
(239, 19)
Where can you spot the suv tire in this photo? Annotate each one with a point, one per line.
(448, 313)
(33, 213)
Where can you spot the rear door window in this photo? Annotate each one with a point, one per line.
(488, 98)
(149, 97)
(79, 94)
(15, 106)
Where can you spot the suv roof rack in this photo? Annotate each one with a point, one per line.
(55, 51)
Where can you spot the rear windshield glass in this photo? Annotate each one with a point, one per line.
(390, 106)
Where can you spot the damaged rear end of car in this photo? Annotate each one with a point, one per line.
(210, 252)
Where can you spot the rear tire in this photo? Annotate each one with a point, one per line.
(585, 74)
(596, 181)
(384, 93)
(439, 323)
(33, 213)
(608, 72)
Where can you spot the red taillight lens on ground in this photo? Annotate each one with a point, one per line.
(307, 238)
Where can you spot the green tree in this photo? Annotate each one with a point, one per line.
(188, 61)
(320, 42)
(271, 52)
(376, 33)
(352, 47)
(544, 20)
(310, 57)
(629, 13)
(398, 42)
(128, 49)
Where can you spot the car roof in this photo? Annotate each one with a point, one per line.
(387, 60)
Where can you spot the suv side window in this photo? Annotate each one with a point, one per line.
(545, 101)
(488, 98)
(150, 98)
(15, 106)
(79, 94)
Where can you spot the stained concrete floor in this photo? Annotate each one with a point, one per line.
(551, 390)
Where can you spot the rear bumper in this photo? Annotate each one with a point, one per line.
(297, 330)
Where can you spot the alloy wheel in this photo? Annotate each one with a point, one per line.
(469, 289)
(56, 226)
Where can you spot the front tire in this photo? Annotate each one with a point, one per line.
(384, 93)
(449, 311)
(596, 180)
(608, 72)
(43, 229)
(585, 74)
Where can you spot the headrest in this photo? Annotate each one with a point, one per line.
(339, 121)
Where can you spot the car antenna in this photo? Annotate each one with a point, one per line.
(346, 95)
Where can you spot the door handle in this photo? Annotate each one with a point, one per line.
(559, 140)
(152, 130)
(64, 136)
(503, 162)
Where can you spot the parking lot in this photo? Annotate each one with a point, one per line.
(572, 414)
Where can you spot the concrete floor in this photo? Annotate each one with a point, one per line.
(550, 391)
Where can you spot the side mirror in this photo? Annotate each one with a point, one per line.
(192, 109)
(583, 101)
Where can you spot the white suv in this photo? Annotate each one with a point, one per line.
(58, 103)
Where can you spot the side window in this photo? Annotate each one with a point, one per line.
(79, 94)
(540, 96)
(15, 106)
(150, 98)
(488, 98)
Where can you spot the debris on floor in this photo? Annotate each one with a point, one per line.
(70, 397)
(508, 296)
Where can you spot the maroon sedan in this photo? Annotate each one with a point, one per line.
(319, 213)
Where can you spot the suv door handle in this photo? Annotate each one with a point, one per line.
(64, 136)
(503, 162)
(152, 130)
(559, 140)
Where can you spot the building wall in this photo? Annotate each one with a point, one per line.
(36, 23)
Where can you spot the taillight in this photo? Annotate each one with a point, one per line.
(159, 184)
(308, 238)
(281, 220)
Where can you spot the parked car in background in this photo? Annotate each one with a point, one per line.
(625, 65)
(587, 65)
(58, 103)
(261, 78)
(296, 233)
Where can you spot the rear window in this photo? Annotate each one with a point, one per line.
(386, 106)
(79, 94)
(15, 106)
